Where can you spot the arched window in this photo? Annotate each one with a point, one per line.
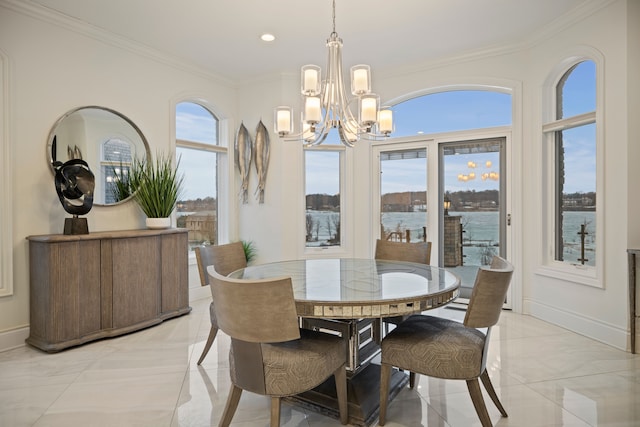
(115, 162)
(572, 160)
(198, 153)
(452, 110)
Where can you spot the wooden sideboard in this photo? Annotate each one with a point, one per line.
(631, 256)
(91, 286)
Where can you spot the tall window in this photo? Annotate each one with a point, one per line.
(572, 154)
(403, 195)
(198, 154)
(115, 162)
(323, 198)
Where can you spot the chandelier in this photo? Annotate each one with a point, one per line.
(494, 176)
(326, 105)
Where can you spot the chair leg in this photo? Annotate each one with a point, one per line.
(275, 412)
(230, 407)
(385, 376)
(478, 402)
(413, 379)
(212, 336)
(492, 393)
(340, 377)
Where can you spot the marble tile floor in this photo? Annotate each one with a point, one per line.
(545, 376)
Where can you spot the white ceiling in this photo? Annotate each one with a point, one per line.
(223, 36)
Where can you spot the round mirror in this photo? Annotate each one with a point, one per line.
(107, 141)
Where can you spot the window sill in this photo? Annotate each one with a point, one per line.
(582, 275)
(325, 252)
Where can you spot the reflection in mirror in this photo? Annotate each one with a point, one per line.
(107, 141)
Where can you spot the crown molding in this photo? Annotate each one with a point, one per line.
(545, 33)
(83, 28)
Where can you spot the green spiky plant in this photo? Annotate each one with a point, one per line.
(157, 186)
(250, 250)
(121, 184)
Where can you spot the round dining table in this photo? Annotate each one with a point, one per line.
(346, 288)
(349, 297)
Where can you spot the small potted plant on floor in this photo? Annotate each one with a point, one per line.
(157, 186)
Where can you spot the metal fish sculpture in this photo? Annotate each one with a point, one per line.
(261, 150)
(243, 154)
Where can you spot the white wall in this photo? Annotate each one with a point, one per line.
(597, 312)
(633, 113)
(53, 69)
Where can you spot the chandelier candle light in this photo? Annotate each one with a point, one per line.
(329, 97)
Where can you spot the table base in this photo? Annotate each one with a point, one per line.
(364, 406)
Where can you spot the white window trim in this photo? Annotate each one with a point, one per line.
(346, 205)
(580, 274)
(417, 143)
(6, 219)
(224, 172)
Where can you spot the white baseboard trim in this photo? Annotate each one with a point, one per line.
(589, 327)
(13, 338)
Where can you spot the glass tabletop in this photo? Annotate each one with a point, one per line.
(349, 280)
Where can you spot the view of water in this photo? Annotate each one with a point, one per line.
(480, 236)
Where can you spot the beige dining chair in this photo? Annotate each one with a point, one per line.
(226, 259)
(444, 348)
(419, 252)
(270, 355)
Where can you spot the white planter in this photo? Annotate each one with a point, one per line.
(158, 223)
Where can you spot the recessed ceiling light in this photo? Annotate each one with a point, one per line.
(267, 37)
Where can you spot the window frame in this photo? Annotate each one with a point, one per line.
(345, 203)
(549, 266)
(223, 168)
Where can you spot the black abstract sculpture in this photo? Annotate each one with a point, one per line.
(74, 184)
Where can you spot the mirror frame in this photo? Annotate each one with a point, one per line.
(98, 173)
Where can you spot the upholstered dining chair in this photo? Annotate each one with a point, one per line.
(270, 355)
(419, 252)
(225, 258)
(444, 348)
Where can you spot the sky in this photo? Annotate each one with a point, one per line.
(428, 114)
(195, 123)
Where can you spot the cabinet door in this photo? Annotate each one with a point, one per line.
(175, 272)
(65, 287)
(136, 271)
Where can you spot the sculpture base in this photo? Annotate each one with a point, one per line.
(76, 225)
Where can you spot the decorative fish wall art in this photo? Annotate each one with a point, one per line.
(243, 156)
(257, 151)
(261, 150)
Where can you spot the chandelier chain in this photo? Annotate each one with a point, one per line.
(334, 16)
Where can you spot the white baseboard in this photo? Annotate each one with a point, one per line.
(13, 338)
(592, 328)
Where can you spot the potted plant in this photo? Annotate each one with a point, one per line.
(250, 251)
(156, 186)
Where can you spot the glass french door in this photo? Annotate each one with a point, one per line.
(472, 196)
(403, 194)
